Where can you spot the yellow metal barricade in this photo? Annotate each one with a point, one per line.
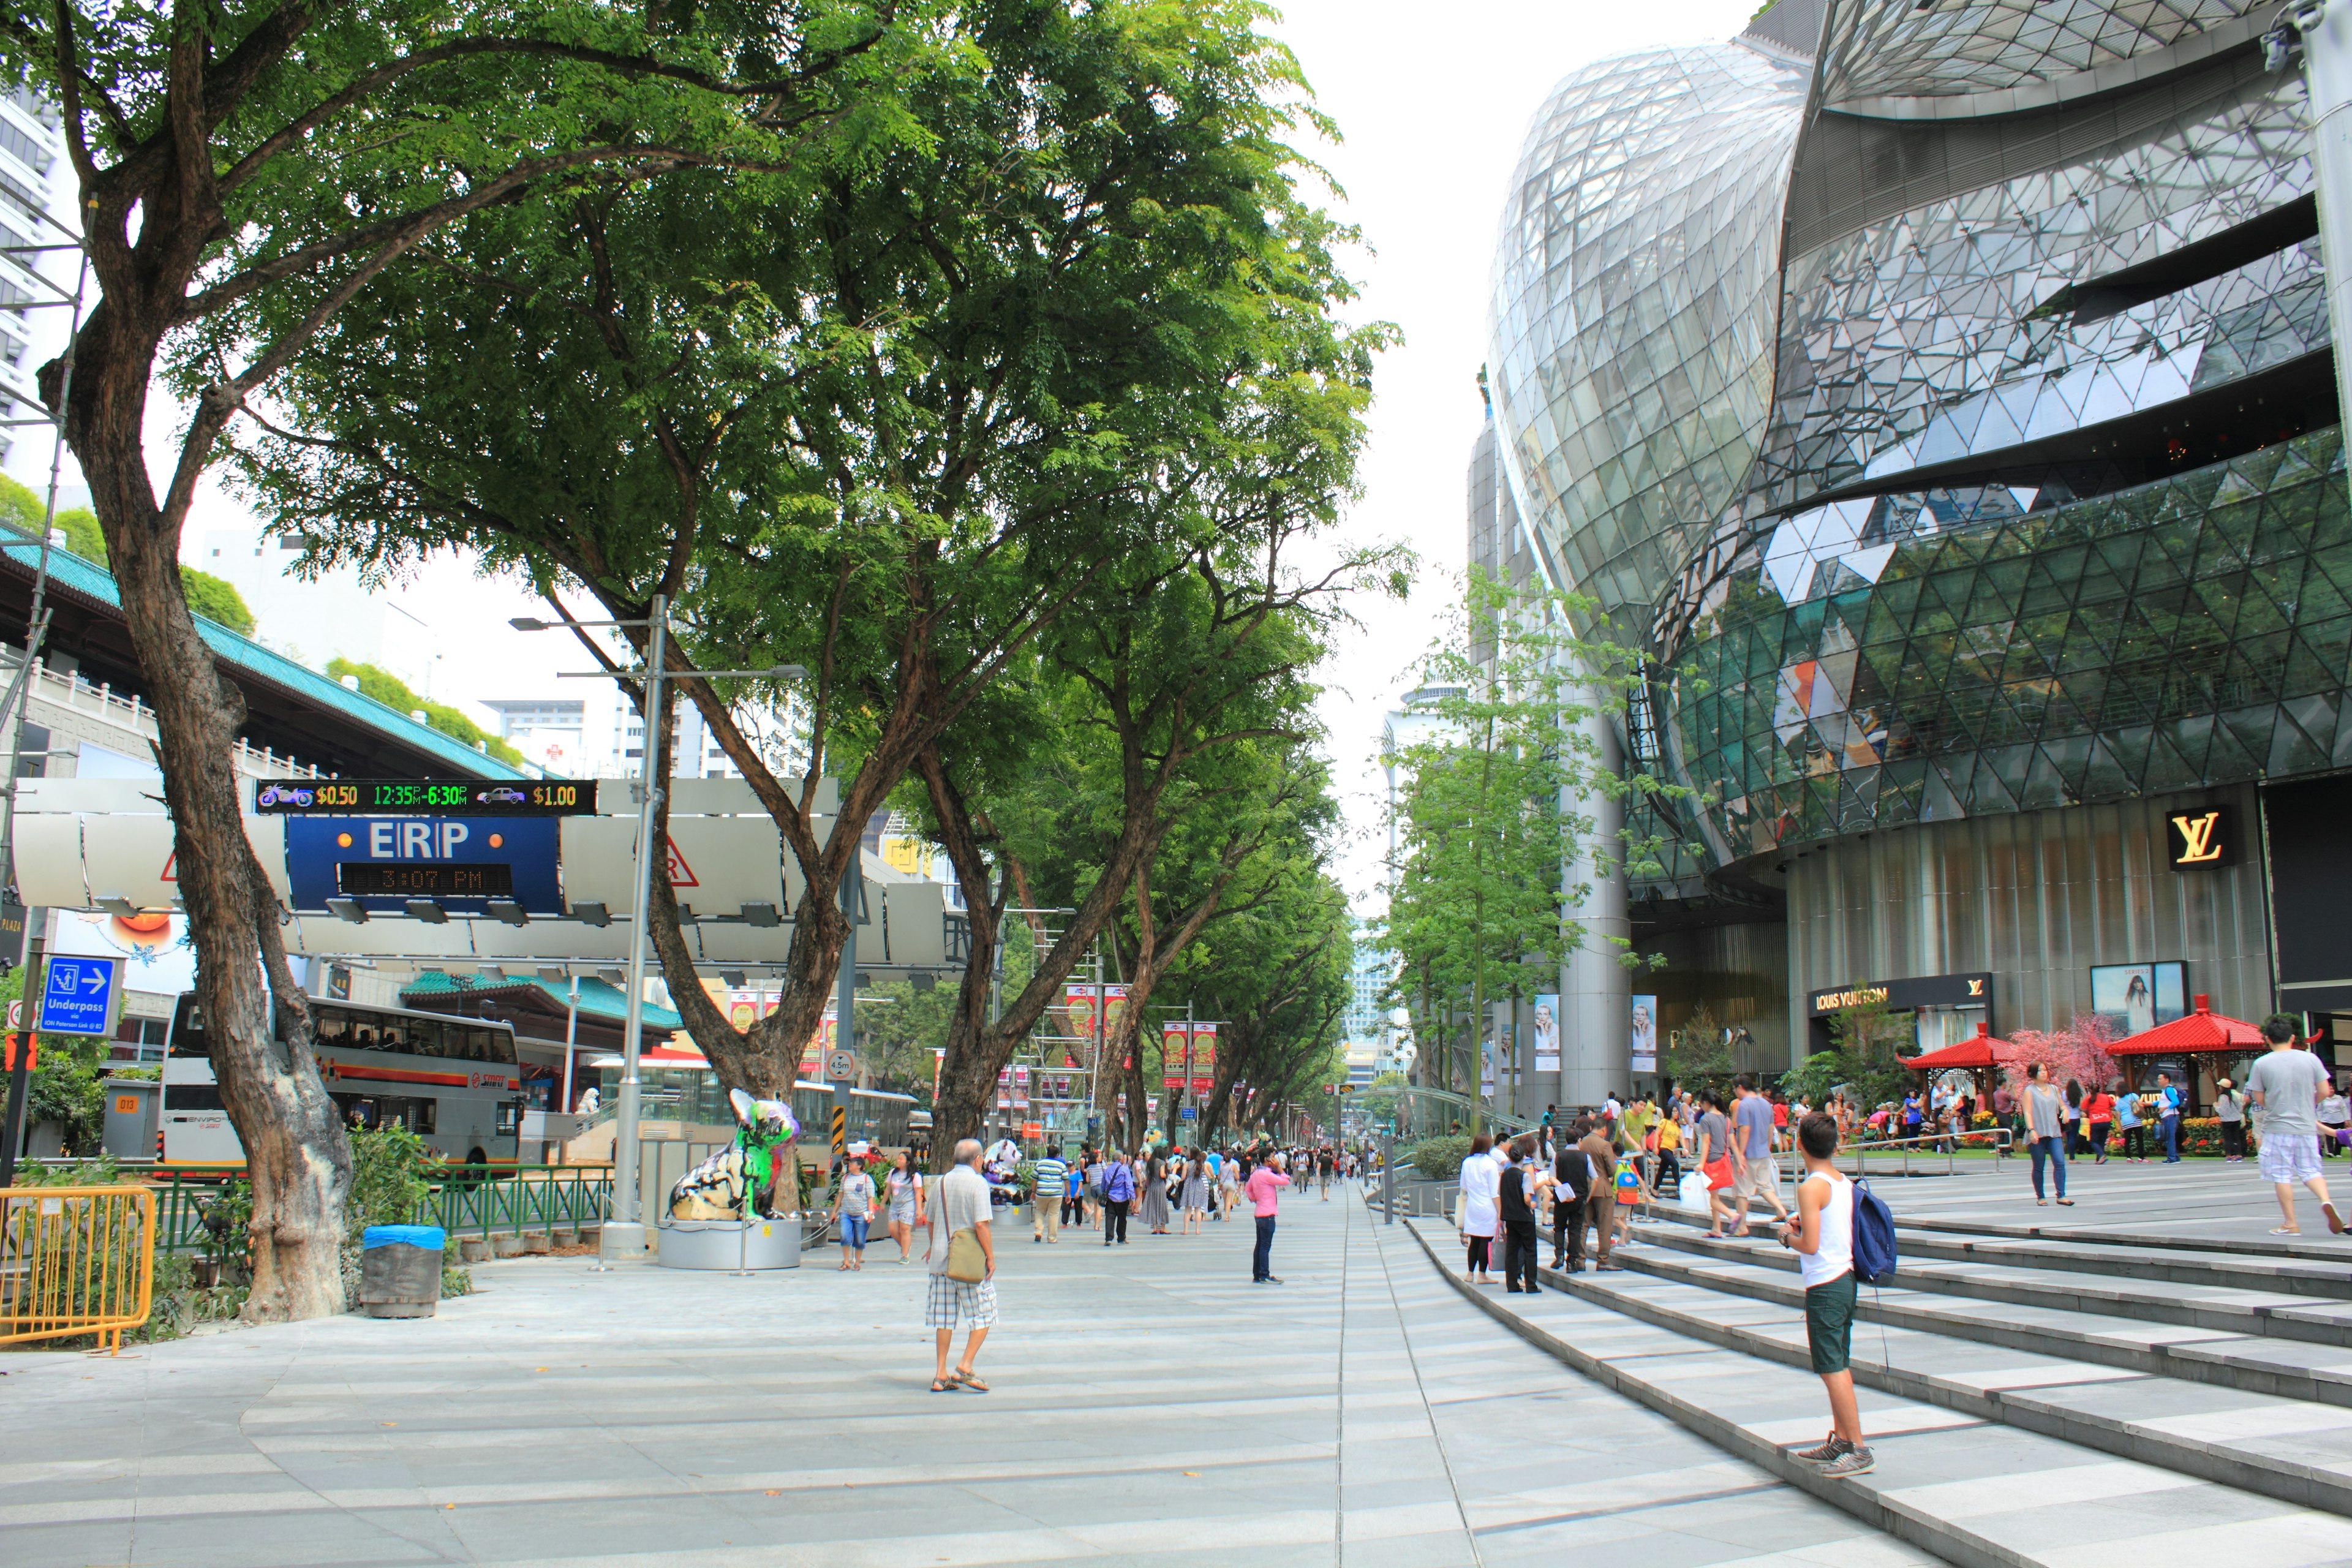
(75, 1260)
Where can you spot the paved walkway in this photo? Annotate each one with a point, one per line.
(1151, 1407)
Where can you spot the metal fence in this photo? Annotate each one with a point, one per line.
(535, 1198)
(75, 1260)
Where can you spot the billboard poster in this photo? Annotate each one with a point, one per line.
(1203, 1081)
(2136, 997)
(1645, 1034)
(152, 944)
(1078, 999)
(1546, 1033)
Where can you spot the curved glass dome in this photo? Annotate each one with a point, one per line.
(1634, 294)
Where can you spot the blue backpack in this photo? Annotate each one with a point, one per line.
(1874, 1237)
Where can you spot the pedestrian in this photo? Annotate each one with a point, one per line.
(2098, 1114)
(903, 1191)
(2335, 1112)
(1323, 1162)
(2127, 1123)
(1480, 1183)
(1822, 1235)
(1196, 1193)
(2230, 1109)
(1757, 1174)
(1601, 1161)
(1154, 1210)
(2045, 1129)
(1228, 1186)
(1119, 1192)
(1714, 1159)
(958, 1204)
(853, 1211)
(1096, 1169)
(2167, 1116)
(1520, 1188)
(1266, 1184)
(1571, 1181)
(1049, 1183)
(2288, 1084)
(2073, 1118)
(1669, 1134)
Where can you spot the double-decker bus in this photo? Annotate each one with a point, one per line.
(454, 1082)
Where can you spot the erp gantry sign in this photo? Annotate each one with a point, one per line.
(384, 844)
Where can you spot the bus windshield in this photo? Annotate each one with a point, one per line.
(356, 1026)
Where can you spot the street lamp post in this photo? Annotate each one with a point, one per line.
(624, 1234)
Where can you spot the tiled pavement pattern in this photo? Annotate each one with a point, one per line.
(2039, 1401)
(1150, 1408)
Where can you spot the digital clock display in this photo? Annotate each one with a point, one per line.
(423, 880)
(376, 797)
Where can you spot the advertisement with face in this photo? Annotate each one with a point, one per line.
(2136, 997)
(1645, 1034)
(1546, 1033)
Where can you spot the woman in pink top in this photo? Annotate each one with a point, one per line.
(1266, 1184)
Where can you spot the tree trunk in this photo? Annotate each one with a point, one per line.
(297, 1155)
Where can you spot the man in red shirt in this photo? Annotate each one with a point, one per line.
(1266, 1184)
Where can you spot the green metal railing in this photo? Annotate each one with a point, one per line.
(526, 1200)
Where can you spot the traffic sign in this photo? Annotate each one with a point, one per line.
(1188, 1114)
(80, 995)
(840, 1066)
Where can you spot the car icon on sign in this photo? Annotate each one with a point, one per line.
(502, 797)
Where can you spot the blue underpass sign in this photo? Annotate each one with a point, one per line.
(80, 996)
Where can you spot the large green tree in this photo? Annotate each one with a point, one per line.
(1488, 820)
(261, 163)
(889, 425)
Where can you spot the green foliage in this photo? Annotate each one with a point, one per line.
(64, 1088)
(393, 692)
(392, 1174)
(1439, 1159)
(1482, 820)
(1698, 1052)
(217, 599)
(897, 1036)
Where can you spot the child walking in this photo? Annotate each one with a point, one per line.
(1821, 1234)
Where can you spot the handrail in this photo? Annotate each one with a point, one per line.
(1473, 1107)
(513, 1200)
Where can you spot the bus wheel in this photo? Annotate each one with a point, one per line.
(477, 1164)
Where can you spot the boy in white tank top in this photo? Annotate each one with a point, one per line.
(1821, 1234)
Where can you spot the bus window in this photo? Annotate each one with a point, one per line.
(334, 1026)
(193, 1097)
(509, 1117)
(188, 1029)
(423, 1037)
(497, 1045)
(391, 1034)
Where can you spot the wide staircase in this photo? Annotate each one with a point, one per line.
(2033, 1396)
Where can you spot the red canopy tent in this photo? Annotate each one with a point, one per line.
(2203, 1031)
(1980, 1052)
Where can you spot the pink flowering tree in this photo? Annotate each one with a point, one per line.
(2078, 1051)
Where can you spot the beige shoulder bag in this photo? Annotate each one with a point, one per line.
(967, 1263)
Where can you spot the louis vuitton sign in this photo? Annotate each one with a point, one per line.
(2203, 837)
(1920, 991)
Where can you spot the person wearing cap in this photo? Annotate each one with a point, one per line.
(2230, 1108)
(854, 1210)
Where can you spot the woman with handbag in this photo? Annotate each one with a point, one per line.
(1155, 1212)
(1715, 1161)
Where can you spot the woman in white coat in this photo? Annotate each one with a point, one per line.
(1481, 1189)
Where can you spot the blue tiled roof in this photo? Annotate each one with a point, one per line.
(598, 1000)
(92, 581)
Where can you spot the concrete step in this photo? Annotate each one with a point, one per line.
(2285, 1369)
(2315, 1245)
(2232, 1310)
(1971, 1489)
(2301, 1270)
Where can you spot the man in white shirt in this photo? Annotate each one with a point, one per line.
(960, 1202)
(2287, 1084)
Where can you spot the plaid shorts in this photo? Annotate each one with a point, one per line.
(976, 1303)
(2289, 1157)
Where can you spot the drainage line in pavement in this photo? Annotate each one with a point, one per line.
(1436, 1436)
(1633, 1508)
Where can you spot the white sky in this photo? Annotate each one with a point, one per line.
(1433, 103)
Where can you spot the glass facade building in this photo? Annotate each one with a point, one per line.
(1942, 400)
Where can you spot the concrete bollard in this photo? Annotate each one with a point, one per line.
(506, 1246)
(474, 1248)
(537, 1246)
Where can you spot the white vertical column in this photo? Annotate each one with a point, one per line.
(2326, 30)
(1596, 992)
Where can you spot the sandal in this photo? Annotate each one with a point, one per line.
(966, 1380)
(2066, 1203)
(2282, 1230)
(943, 1385)
(2334, 1220)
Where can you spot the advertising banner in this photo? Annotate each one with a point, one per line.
(1546, 1032)
(1645, 1034)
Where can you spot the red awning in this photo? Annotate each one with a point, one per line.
(1976, 1053)
(2203, 1030)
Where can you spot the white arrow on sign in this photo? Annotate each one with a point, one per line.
(94, 980)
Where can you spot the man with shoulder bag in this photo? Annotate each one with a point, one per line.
(962, 1267)
(1572, 1179)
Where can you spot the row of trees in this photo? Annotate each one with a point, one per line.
(981, 358)
(1496, 843)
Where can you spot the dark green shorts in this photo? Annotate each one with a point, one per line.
(1829, 1323)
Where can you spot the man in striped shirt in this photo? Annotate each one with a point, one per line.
(1046, 1197)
